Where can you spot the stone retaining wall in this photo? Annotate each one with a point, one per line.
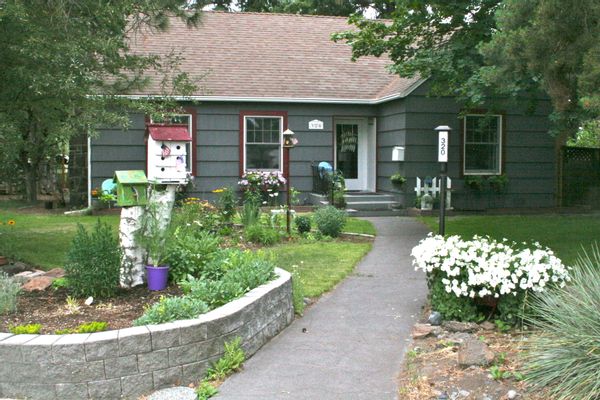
(127, 363)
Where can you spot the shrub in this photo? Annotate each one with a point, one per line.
(339, 201)
(205, 390)
(89, 327)
(264, 183)
(463, 274)
(195, 215)
(171, 309)
(243, 271)
(229, 275)
(189, 254)
(250, 212)
(262, 234)
(563, 357)
(93, 262)
(302, 224)
(226, 203)
(330, 220)
(9, 291)
(30, 329)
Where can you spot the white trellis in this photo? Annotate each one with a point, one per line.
(433, 189)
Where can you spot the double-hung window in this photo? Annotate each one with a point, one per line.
(262, 143)
(482, 143)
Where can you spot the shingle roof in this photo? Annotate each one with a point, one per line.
(274, 56)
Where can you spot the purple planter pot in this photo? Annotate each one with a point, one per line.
(157, 276)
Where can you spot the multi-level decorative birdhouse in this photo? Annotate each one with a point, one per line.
(167, 153)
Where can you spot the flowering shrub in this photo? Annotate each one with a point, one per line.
(462, 274)
(267, 182)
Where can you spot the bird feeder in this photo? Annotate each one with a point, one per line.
(132, 188)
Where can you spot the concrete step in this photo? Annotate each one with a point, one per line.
(370, 205)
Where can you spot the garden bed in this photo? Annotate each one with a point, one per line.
(51, 309)
(127, 363)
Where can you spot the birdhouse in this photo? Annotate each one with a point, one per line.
(167, 153)
(132, 188)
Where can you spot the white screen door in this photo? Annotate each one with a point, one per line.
(351, 152)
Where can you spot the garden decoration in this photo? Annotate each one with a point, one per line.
(289, 142)
(129, 186)
(167, 151)
(443, 147)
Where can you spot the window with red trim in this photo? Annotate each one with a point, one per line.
(261, 138)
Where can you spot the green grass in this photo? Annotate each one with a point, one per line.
(42, 239)
(321, 265)
(355, 225)
(565, 234)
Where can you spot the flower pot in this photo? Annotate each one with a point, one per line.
(3, 260)
(157, 276)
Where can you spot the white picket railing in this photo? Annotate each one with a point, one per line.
(434, 189)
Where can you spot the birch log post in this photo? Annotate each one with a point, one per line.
(134, 256)
(132, 263)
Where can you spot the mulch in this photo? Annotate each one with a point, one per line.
(49, 308)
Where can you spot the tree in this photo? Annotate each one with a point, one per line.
(63, 65)
(554, 45)
(479, 50)
(383, 8)
(437, 39)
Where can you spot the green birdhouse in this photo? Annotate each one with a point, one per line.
(132, 188)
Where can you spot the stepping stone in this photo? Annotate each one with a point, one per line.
(174, 393)
(38, 283)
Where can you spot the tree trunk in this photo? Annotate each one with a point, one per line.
(31, 183)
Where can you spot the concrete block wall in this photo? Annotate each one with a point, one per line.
(130, 362)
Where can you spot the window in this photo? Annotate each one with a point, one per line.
(189, 120)
(262, 142)
(482, 145)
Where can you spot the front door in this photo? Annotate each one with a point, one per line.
(351, 152)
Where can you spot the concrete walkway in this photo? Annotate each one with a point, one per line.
(351, 343)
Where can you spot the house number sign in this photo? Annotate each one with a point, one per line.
(315, 124)
(443, 146)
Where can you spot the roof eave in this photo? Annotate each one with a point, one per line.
(304, 100)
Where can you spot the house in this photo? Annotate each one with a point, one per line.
(266, 73)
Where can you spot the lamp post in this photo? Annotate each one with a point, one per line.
(289, 141)
(443, 147)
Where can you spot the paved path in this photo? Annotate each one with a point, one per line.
(355, 336)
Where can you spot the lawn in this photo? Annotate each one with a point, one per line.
(321, 265)
(565, 234)
(44, 239)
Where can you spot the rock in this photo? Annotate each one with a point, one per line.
(464, 393)
(55, 273)
(512, 394)
(38, 283)
(174, 393)
(459, 337)
(435, 318)
(455, 326)
(421, 331)
(474, 352)
(16, 267)
(487, 326)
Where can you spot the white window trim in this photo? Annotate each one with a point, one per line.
(280, 169)
(189, 167)
(500, 145)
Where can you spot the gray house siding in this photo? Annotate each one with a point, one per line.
(217, 143)
(529, 156)
(391, 132)
(529, 162)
